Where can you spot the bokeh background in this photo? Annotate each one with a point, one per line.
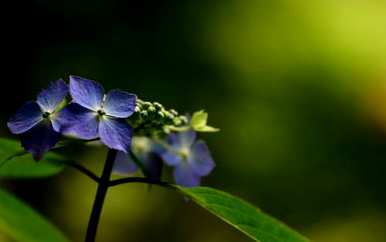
(297, 87)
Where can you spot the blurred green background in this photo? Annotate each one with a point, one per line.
(297, 87)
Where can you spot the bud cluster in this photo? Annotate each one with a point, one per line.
(151, 118)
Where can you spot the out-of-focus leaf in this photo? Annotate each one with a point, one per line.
(242, 215)
(23, 224)
(14, 163)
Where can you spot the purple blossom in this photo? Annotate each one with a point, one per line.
(36, 121)
(191, 159)
(93, 114)
(147, 151)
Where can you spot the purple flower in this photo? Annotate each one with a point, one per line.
(191, 159)
(147, 151)
(93, 114)
(36, 121)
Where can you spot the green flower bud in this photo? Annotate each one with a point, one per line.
(177, 121)
(151, 109)
(144, 114)
(146, 105)
(161, 114)
(174, 112)
(158, 106)
(169, 115)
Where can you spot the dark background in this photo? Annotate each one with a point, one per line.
(297, 88)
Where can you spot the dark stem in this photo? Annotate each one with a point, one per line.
(139, 180)
(139, 163)
(83, 170)
(103, 186)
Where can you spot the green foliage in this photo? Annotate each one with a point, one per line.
(22, 223)
(14, 163)
(199, 122)
(241, 215)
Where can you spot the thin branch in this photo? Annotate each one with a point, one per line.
(72, 142)
(138, 163)
(138, 180)
(83, 170)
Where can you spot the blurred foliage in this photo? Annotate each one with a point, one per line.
(297, 88)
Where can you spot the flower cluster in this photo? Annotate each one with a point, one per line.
(145, 133)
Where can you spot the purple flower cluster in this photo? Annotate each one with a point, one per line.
(189, 157)
(89, 115)
(82, 109)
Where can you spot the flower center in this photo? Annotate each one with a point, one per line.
(141, 145)
(101, 112)
(46, 115)
(184, 152)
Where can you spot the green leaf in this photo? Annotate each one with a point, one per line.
(22, 223)
(15, 163)
(242, 215)
(199, 122)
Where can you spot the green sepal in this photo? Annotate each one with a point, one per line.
(199, 122)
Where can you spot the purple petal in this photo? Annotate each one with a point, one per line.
(172, 139)
(77, 121)
(187, 138)
(123, 165)
(182, 139)
(171, 158)
(25, 118)
(115, 133)
(87, 93)
(39, 139)
(119, 104)
(201, 160)
(50, 98)
(184, 175)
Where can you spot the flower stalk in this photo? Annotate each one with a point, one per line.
(103, 186)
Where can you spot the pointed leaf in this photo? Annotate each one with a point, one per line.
(242, 215)
(23, 224)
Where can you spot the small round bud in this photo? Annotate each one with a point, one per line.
(144, 113)
(158, 106)
(146, 105)
(151, 109)
(174, 112)
(161, 114)
(177, 121)
(169, 115)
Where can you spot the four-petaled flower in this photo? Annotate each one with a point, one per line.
(147, 151)
(191, 159)
(93, 114)
(36, 121)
